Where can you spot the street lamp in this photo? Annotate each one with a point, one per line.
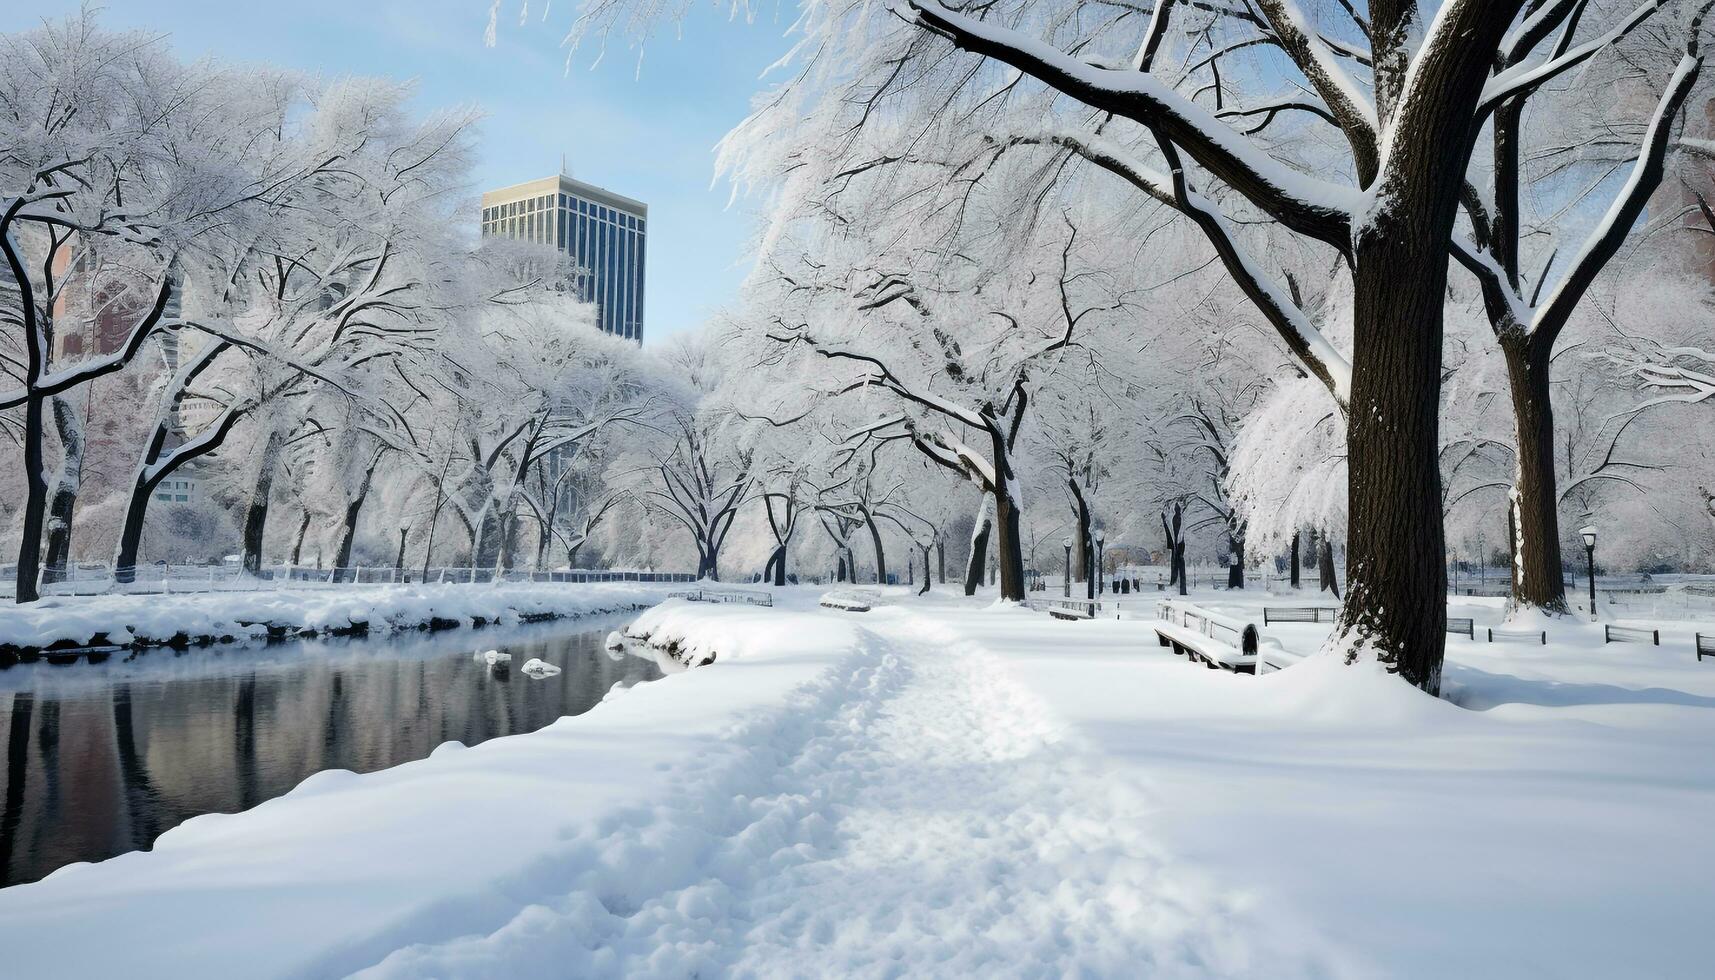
(1589, 535)
(1100, 584)
(1066, 542)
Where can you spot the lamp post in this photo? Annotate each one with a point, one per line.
(1100, 583)
(1066, 542)
(1589, 535)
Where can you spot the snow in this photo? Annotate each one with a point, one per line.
(540, 668)
(158, 618)
(958, 787)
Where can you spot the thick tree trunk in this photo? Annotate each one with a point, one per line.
(1295, 560)
(1537, 576)
(925, 589)
(62, 506)
(1396, 592)
(399, 556)
(941, 559)
(256, 514)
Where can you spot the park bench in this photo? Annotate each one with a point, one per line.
(1462, 624)
(1297, 614)
(725, 595)
(1070, 608)
(1540, 636)
(1630, 634)
(851, 601)
(1705, 646)
(1218, 641)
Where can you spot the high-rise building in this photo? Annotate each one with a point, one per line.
(601, 230)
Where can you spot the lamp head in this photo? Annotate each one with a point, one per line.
(1066, 542)
(1589, 535)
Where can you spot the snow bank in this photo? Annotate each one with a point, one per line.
(632, 797)
(158, 619)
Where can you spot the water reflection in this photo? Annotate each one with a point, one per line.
(102, 758)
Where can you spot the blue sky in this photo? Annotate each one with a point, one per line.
(649, 137)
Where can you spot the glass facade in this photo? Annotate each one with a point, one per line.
(606, 241)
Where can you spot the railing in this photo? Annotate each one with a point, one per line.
(88, 578)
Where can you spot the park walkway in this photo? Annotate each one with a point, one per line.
(917, 811)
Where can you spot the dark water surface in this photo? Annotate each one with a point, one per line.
(102, 758)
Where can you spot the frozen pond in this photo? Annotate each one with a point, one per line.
(102, 758)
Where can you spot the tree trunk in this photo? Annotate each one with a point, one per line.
(349, 531)
(1236, 571)
(1083, 550)
(1295, 560)
(399, 556)
(941, 559)
(256, 515)
(875, 539)
(979, 548)
(1325, 567)
(63, 505)
(1009, 553)
(35, 502)
(925, 589)
(1537, 576)
(840, 570)
(298, 538)
(1396, 591)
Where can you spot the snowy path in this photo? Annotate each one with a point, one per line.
(914, 811)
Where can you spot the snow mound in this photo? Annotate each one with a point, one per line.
(540, 668)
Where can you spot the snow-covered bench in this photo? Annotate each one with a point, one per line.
(1705, 646)
(1271, 656)
(1525, 636)
(1216, 640)
(1297, 614)
(1462, 624)
(1070, 608)
(1630, 634)
(723, 595)
(851, 600)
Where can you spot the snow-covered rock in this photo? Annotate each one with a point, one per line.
(493, 657)
(540, 668)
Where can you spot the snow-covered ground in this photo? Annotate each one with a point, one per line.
(937, 787)
(154, 619)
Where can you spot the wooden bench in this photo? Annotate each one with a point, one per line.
(850, 601)
(1705, 646)
(1461, 624)
(1630, 634)
(1541, 636)
(1272, 656)
(710, 595)
(1216, 640)
(1070, 608)
(1296, 614)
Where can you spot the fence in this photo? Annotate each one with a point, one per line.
(88, 578)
